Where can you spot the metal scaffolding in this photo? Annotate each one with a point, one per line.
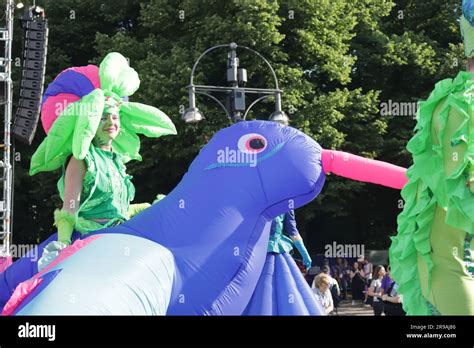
(6, 171)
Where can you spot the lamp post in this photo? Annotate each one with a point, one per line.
(236, 109)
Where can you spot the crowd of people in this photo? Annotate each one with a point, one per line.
(361, 283)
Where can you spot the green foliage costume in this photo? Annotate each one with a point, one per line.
(431, 257)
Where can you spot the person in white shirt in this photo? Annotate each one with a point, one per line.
(333, 281)
(375, 290)
(321, 290)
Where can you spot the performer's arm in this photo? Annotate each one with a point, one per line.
(139, 207)
(292, 231)
(289, 224)
(136, 208)
(65, 219)
(73, 180)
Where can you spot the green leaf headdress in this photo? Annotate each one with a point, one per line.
(74, 128)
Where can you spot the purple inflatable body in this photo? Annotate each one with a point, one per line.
(203, 249)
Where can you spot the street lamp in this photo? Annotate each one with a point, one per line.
(236, 110)
(192, 114)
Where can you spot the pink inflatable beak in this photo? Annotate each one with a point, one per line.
(363, 169)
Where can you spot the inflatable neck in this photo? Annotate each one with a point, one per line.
(213, 232)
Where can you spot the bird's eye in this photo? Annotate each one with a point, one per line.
(252, 143)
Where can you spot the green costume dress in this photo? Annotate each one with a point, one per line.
(106, 193)
(431, 257)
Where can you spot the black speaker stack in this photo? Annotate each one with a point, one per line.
(35, 28)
